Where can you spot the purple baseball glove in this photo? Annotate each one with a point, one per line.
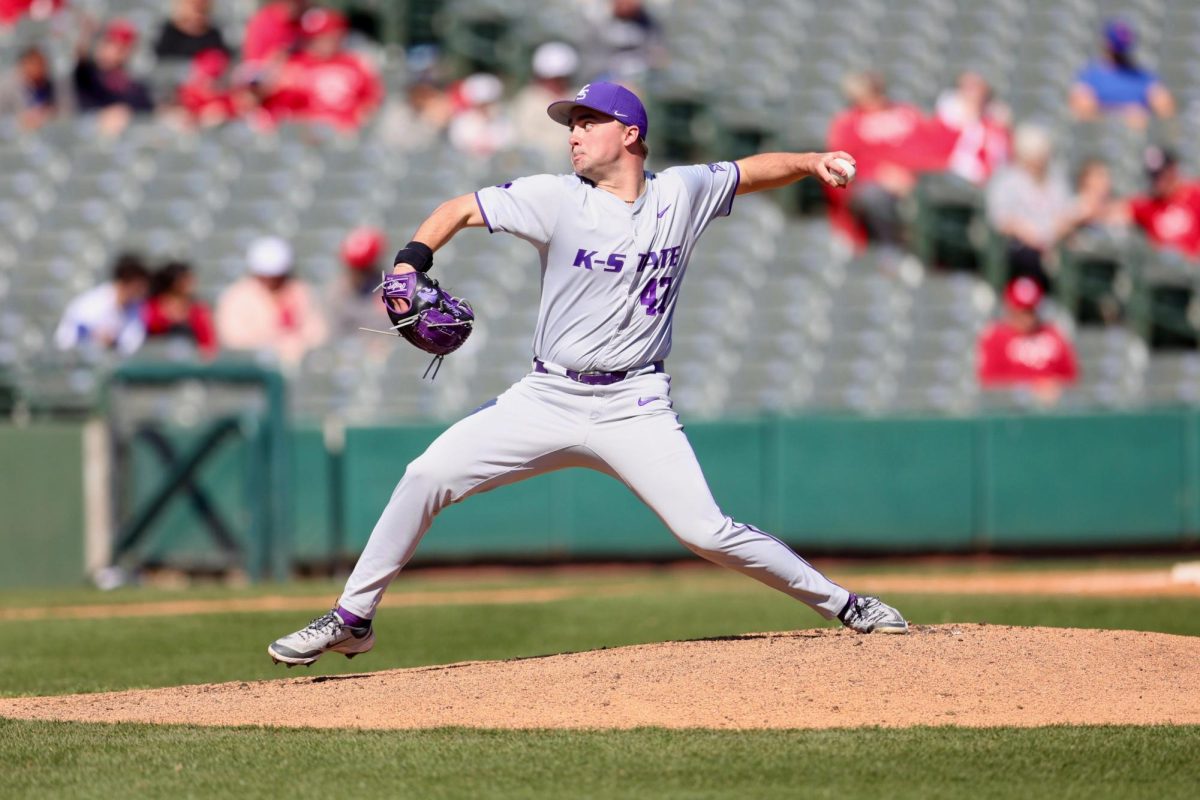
(428, 316)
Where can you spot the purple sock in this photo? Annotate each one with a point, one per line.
(353, 620)
(847, 607)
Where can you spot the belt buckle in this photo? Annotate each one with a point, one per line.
(599, 377)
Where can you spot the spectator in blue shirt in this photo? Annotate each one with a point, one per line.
(1117, 84)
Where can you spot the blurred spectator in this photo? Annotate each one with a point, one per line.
(102, 80)
(11, 11)
(270, 310)
(189, 31)
(324, 82)
(1170, 213)
(1029, 203)
(108, 317)
(891, 143)
(206, 94)
(1115, 83)
(28, 92)
(274, 31)
(353, 298)
(483, 127)
(1098, 210)
(554, 67)
(1022, 350)
(174, 311)
(627, 40)
(420, 122)
(981, 127)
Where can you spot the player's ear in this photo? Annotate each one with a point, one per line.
(632, 132)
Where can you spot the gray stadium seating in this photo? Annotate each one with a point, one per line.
(774, 316)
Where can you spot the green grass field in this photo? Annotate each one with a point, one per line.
(55, 656)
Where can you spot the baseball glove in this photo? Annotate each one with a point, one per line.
(425, 314)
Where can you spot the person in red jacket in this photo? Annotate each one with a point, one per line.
(11, 11)
(1022, 350)
(1170, 214)
(206, 95)
(892, 143)
(980, 126)
(174, 311)
(274, 31)
(325, 83)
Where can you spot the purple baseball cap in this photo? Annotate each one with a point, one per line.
(608, 98)
(1119, 35)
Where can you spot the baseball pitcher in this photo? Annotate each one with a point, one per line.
(614, 243)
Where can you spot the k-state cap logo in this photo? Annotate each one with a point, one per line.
(583, 92)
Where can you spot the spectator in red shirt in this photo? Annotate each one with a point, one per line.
(1022, 350)
(325, 83)
(174, 311)
(980, 125)
(11, 11)
(891, 142)
(1170, 213)
(206, 96)
(274, 31)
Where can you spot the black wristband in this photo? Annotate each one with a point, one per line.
(417, 255)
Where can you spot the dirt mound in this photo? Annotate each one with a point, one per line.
(973, 675)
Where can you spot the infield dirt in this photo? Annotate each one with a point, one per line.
(970, 675)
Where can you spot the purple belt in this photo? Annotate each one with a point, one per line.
(597, 378)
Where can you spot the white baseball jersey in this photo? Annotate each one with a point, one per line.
(611, 270)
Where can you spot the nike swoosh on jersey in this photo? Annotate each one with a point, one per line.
(665, 210)
(645, 400)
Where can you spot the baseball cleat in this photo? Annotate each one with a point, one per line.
(872, 615)
(322, 635)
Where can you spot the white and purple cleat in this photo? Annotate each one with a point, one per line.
(871, 615)
(328, 633)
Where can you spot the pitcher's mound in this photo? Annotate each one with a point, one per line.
(937, 675)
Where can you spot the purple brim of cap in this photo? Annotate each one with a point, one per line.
(562, 110)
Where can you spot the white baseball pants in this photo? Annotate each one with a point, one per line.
(547, 422)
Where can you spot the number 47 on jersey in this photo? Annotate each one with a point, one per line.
(654, 297)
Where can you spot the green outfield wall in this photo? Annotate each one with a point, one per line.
(41, 505)
(824, 484)
(831, 484)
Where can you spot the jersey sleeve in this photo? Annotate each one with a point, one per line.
(711, 187)
(525, 207)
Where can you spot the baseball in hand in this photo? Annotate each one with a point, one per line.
(847, 171)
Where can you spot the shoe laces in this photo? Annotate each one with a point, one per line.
(870, 609)
(320, 625)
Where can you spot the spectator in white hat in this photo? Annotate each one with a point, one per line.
(554, 68)
(483, 126)
(270, 310)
